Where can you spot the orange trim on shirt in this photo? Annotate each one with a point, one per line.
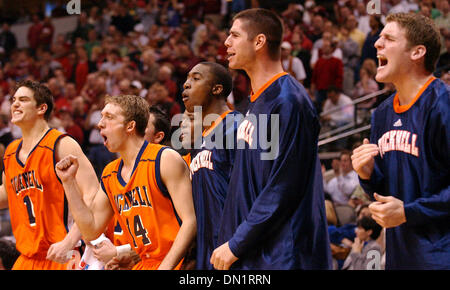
(255, 96)
(403, 108)
(215, 123)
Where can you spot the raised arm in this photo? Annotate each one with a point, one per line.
(92, 220)
(175, 176)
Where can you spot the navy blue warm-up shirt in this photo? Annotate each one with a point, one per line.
(414, 166)
(274, 212)
(211, 170)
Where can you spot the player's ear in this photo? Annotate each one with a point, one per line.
(131, 125)
(159, 136)
(418, 52)
(217, 90)
(42, 108)
(260, 40)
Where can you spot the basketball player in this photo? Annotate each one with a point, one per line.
(208, 86)
(406, 163)
(274, 214)
(157, 132)
(147, 188)
(31, 188)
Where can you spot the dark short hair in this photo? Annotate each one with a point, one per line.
(369, 223)
(420, 30)
(333, 88)
(345, 152)
(162, 122)
(220, 76)
(267, 22)
(8, 253)
(41, 94)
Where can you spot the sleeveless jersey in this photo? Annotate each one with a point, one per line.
(36, 199)
(143, 206)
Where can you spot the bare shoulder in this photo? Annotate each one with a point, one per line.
(67, 145)
(172, 162)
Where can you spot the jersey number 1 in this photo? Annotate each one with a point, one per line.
(30, 209)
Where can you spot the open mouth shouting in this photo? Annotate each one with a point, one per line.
(382, 61)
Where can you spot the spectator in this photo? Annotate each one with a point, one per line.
(291, 64)
(350, 58)
(47, 31)
(366, 85)
(316, 28)
(367, 232)
(113, 61)
(362, 17)
(301, 48)
(443, 21)
(98, 154)
(399, 6)
(317, 48)
(158, 95)
(92, 41)
(327, 71)
(342, 186)
(239, 96)
(149, 68)
(165, 78)
(34, 32)
(122, 20)
(81, 69)
(69, 126)
(354, 33)
(8, 41)
(83, 27)
(368, 49)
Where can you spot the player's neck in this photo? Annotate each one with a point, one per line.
(33, 133)
(262, 71)
(218, 108)
(408, 87)
(131, 150)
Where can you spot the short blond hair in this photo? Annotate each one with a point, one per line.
(135, 108)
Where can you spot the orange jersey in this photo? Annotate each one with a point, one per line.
(36, 198)
(115, 233)
(143, 206)
(187, 159)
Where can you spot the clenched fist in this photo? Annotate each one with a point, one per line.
(67, 168)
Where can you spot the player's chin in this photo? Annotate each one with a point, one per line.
(381, 77)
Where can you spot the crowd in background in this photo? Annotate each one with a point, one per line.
(147, 47)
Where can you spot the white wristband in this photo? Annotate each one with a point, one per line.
(123, 249)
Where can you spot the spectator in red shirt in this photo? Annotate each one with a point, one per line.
(82, 69)
(34, 32)
(71, 128)
(327, 71)
(46, 35)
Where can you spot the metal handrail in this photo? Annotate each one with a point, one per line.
(343, 135)
(356, 101)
